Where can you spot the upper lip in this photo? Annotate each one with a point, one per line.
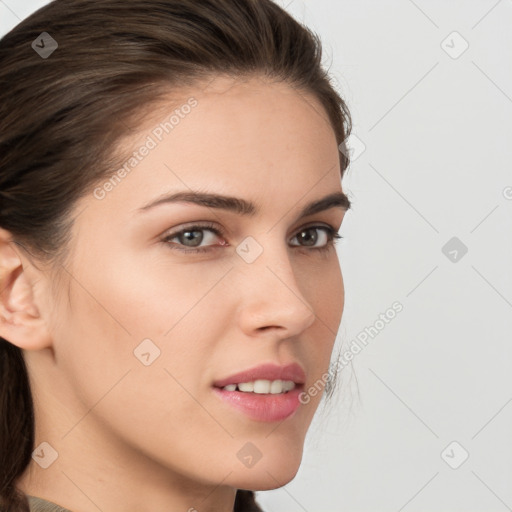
(269, 371)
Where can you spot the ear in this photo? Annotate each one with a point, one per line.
(20, 320)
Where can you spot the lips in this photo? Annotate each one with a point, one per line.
(263, 406)
(292, 372)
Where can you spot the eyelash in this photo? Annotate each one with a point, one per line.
(332, 235)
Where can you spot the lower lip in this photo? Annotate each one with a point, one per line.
(263, 407)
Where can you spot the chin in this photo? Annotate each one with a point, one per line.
(271, 474)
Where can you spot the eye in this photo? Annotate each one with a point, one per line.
(189, 240)
(330, 237)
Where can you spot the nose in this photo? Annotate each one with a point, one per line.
(272, 299)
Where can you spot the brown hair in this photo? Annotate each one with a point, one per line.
(61, 116)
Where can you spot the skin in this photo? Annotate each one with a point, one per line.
(142, 438)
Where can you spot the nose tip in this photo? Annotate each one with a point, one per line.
(276, 303)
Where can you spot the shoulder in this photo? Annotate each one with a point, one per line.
(41, 505)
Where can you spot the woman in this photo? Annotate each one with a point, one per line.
(170, 195)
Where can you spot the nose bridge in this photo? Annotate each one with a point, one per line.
(273, 296)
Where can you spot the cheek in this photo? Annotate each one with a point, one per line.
(326, 296)
(139, 317)
(324, 290)
(153, 390)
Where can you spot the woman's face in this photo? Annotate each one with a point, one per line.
(144, 325)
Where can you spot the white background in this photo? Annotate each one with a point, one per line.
(436, 131)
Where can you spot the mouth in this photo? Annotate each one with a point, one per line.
(266, 393)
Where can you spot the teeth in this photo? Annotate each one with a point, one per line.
(288, 385)
(246, 386)
(262, 386)
(276, 386)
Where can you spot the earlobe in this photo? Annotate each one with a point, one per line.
(20, 320)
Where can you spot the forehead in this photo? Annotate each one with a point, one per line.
(251, 118)
(251, 138)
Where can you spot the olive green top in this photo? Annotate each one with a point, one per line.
(40, 505)
(244, 503)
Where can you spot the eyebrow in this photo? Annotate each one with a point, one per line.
(244, 207)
